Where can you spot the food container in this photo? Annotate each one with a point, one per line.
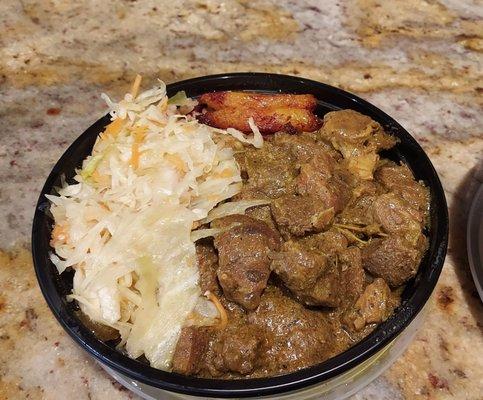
(337, 377)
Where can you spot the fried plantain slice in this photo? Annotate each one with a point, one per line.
(226, 99)
(267, 121)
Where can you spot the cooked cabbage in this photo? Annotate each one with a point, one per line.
(233, 207)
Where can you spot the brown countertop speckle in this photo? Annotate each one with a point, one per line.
(420, 61)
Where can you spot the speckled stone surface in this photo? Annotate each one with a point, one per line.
(420, 61)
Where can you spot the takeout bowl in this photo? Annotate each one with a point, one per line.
(340, 375)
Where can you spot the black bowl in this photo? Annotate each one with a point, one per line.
(414, 297)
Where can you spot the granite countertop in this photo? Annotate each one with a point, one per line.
(420, 61)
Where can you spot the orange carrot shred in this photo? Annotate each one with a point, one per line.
(114, 127)
(139, 133)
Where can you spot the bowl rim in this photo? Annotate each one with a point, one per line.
(304, 378)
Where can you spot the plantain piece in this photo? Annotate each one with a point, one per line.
(220, 100)
(267, 120)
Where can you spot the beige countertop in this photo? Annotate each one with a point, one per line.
(420, 61)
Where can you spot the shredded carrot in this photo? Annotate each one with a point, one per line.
(139, 133)
(220, 308)
(100, 179)
(135, 86)
(177, 161)
(135, 155)
(113, 128)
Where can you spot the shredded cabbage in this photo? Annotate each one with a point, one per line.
(125, 224)
(233, 207)
(91, 166)
(204, 233)
(256, 140)
(184, 103)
